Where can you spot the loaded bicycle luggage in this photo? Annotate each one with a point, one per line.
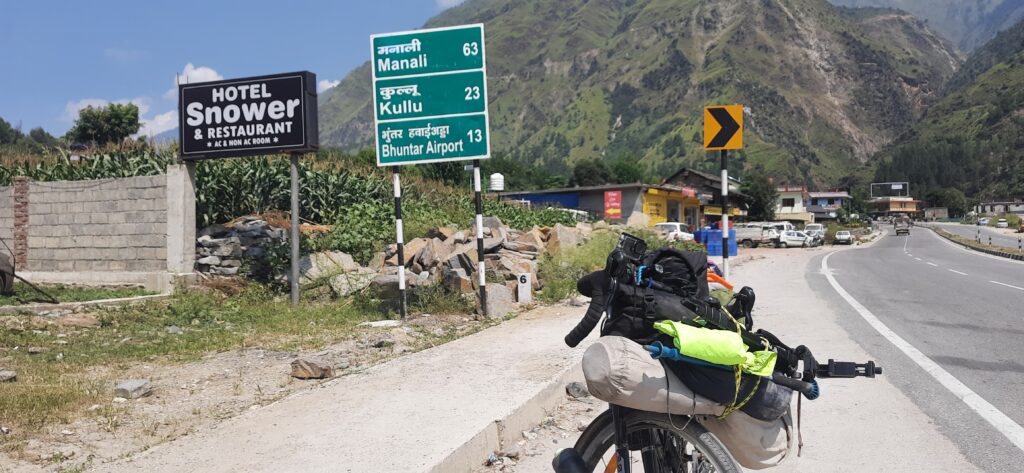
(691, 385)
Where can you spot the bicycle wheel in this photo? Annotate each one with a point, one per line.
(679, 445)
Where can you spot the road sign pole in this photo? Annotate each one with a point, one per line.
(480, 237)
(399, 240)
(295, 229)
(725, 213)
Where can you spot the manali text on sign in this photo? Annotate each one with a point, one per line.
(613, 205)
(249, 116)
(430, 95)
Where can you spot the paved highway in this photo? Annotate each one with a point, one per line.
(962, 310)
(970, 231)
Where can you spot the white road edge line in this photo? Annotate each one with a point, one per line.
(1006, 426)
(1007, 285)
(973, 252)
(933, 264)
(958, 272)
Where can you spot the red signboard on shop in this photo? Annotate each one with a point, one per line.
(613, 205)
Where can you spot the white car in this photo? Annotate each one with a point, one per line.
(843, 237)
(674, 231)
(1002, 223)
(983, 221)
(794, 238)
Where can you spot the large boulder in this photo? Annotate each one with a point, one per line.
(458, 281)
(325, 264)
(386, 285)
(433, 253)
(560, 237)
(500, 301)
(348, 283)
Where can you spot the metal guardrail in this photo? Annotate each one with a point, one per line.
(976, 247)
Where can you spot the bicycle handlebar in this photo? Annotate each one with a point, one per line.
(587, 324)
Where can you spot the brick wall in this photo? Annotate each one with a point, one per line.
(7, 217)
(98, 225)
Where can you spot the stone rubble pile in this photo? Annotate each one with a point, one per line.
(221, 249)
(445, 256)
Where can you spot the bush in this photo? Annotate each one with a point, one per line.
(560, 271)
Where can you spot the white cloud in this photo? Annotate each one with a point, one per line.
(159, 124)
(190, 75)
(326, 84)
(71, 109)
(449, 3)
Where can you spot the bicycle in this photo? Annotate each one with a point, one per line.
(674, 443)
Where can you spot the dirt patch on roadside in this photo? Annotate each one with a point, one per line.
(220, 386)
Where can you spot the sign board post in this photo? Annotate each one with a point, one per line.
(253, 116)
(430, 106)
(723, 130)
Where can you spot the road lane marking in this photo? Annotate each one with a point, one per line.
(1006, 426)
(1007, 285)
(933, 264)
(958, 272)
(919, 259)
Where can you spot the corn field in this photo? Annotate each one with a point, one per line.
(336, 188)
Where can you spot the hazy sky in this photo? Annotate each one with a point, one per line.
(59, 56)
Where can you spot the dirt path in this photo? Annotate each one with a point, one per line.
(192, 396)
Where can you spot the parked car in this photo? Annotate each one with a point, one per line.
(674, 231)
(843, 237)
(815, 231)
(794, 238)
(1002, 223)
(754, 234)
(983, 221)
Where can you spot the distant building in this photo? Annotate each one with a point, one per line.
(792, 205)
(1015, 206)
(832, 200)
(688, 196)
(886, 206)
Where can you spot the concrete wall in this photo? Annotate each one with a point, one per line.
(100, 225)
(7, 217)
(137, 230)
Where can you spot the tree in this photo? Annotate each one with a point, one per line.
(952, 199)
(8, 134)
(110, 124)
(763, 196)
(590, 172)
(625, 170)
(39, 135)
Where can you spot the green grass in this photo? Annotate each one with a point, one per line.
(23, 294)
(78, 366)
(561, 270)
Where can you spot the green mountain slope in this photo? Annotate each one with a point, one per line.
(824, 87)
(972, 139)
(968, 23)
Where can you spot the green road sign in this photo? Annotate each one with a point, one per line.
(459, 48)
(430, 95)
(431, 140)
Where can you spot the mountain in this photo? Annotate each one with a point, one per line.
(968, 23)
(973, 138)
(824, 87)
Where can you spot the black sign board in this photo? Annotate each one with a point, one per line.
(249, 116)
